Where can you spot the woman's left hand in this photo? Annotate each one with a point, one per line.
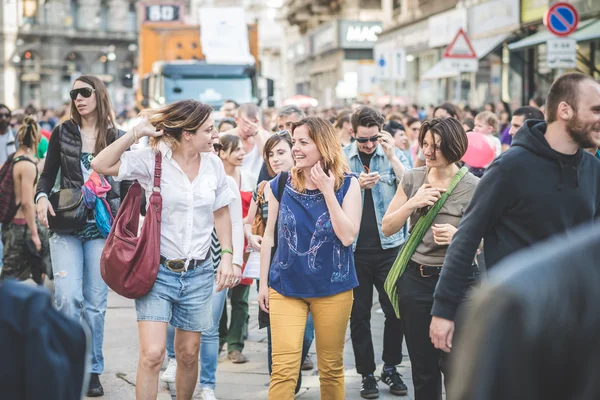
(228, 276)
(443, 233)
(324, 182)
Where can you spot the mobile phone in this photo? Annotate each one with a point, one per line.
(373, 173)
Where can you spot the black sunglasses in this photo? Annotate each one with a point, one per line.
(370, 139)
(85, 92)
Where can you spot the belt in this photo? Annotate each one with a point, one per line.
(178, 265)
(426, 271)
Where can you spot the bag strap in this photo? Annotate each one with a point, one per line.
(417, 234)
(157, 171)
(283, 177)
(260, 193)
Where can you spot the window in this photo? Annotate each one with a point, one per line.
(132, 16)
(75, 13)
(103, 15)
(370, 4)
(397, 5)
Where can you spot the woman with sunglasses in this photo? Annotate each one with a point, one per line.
(318, 218)
(80, 291)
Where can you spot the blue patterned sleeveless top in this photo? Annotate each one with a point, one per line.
(310, 261)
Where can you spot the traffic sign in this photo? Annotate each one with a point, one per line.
(459, 55)
(460, 47)
(561, 19)
(561, 53)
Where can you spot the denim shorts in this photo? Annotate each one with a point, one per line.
(182, 298)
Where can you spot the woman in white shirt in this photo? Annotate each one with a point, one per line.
(195, 198)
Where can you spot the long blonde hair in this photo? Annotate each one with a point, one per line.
(328, 143)
(183, 115)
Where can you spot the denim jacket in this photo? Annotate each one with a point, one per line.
(385, 189)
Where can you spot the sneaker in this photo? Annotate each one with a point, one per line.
(207, 394)
(95, 388)
(395, 382)
(237, 357)
(169, 375)
(307, 365)
(369, 388)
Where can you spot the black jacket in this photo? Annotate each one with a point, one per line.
(528, 193)
(64, 153)
(43, 351)
(532, 332)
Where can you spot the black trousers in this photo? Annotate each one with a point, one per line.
(415, 298)
(372, 269)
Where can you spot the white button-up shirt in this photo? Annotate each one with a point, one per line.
(187, 211)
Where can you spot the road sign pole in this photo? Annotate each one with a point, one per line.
(458, 88)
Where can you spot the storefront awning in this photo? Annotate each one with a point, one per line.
(439, 71)
(588, 30)
(482, 48)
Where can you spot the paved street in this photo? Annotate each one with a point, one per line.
(234, 382)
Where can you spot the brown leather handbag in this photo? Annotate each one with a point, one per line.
(129, 262)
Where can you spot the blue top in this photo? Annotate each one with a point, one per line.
(310, 261)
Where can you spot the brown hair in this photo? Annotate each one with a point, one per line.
(29, 133)
(343, 117)
(326, 138)
(454, 142)
(229, 142)
(450, 109)
(395, 117)
(565, 88)
(270, 145)
(183, 115)
(250, 110)
(105, 123)
(489, 118)
(367, 117)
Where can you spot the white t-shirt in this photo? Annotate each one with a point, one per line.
(187, 211)
(251, 167)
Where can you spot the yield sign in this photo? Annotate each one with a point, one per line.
(460, 47)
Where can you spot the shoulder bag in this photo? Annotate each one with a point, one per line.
(129, 263)
(417, 234)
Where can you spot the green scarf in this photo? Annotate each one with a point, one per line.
(413, 241)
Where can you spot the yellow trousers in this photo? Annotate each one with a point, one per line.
(288, 319)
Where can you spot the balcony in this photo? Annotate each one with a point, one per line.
(36, 30)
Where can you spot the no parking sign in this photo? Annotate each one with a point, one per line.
(561, 19)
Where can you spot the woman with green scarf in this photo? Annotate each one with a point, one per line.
(433, 199)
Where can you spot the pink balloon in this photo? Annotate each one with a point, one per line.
(480, 152)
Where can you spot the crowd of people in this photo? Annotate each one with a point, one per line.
(319, 207)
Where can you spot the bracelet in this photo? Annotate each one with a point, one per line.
(237, 265)
(226, 251)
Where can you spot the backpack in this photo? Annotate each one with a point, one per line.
(8, 208)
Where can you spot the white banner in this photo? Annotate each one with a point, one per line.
(224, 36)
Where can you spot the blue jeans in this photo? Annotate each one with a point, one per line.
(209, 344)
(1, 251)
(309, 336)
(80, 291)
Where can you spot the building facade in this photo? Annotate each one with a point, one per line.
(332, 57)
(47, 44)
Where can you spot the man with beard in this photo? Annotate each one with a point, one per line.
(545, 184)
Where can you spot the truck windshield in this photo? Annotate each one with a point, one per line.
(211, 91)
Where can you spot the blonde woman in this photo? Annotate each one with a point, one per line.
(195, 197)
(318, 217)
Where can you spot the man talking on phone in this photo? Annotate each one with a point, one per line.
(380, 165)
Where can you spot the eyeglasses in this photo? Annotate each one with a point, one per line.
(4, 115)
(370, 139)
(284, 133)
(85, 92)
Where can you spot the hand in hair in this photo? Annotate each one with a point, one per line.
(145, 128)
(323, 181)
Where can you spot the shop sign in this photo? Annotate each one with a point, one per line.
(561, 53)
(443, 27)
(156, 13)
(495, 16)
(359, 35)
